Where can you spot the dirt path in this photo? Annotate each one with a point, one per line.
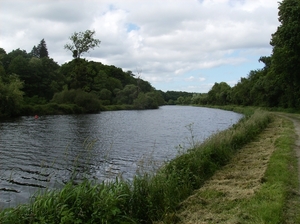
(218, 201)
(295, 118)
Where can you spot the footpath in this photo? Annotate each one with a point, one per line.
(295, 118)
(221, 199)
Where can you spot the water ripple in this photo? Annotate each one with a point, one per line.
(44, 153)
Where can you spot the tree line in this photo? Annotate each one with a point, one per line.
(34, 83)
(30, 79)
(277, 84)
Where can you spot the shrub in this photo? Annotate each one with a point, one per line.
(51, 108)
(88, 101)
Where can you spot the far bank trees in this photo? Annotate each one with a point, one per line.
(34, 83)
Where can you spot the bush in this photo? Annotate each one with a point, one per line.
(88, 101)
(51, 109)
(35, 100)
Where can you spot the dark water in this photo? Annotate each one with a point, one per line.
(37, 154)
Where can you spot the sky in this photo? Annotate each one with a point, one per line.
(176, 45)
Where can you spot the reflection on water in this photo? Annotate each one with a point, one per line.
(37, 154)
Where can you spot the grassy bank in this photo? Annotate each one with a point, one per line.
(259, 185)
(277, 200)
(148, 197)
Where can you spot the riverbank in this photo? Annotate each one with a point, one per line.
(59, 109)
(259, 185)
(149, 197)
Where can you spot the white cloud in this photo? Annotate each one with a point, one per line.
(195, 79)
(166, 39)
(201, 79)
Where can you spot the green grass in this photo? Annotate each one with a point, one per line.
(265, 193)
(149, 197)
(84, 203)
(276, 201)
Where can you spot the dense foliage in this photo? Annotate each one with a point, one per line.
(278, 83)
(177, 97)
(34, 83)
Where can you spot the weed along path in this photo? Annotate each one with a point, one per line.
(237, 192)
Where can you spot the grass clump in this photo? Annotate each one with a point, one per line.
(83, 203)
(149, 197)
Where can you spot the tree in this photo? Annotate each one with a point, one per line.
(127, 95)
(89, 102)
(219, 93)
(180, 100)
(35, 52)
(285, 60)
(82, 42)
(146, 101)
(2, 54)
(40, 51)
(43, 72)
(105, 96)
(11, 96)
(9, 57)
(42, 48)
(2, 70)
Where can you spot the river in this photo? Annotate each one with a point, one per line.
(45, 153)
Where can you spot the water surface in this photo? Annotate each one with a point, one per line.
(37, 154)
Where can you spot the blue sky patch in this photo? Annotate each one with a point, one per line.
(132, 26)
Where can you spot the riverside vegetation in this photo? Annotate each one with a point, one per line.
(158, 197)
(259, 184)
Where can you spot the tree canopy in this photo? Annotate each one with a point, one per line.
(285, 60)
(40, 51)
(82, 42)
(28, 80)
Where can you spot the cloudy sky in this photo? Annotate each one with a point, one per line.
(182, 45)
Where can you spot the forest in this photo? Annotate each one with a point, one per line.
(33, 83)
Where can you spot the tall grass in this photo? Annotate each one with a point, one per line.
(180, 177)
(84, 203)
(149, 197)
